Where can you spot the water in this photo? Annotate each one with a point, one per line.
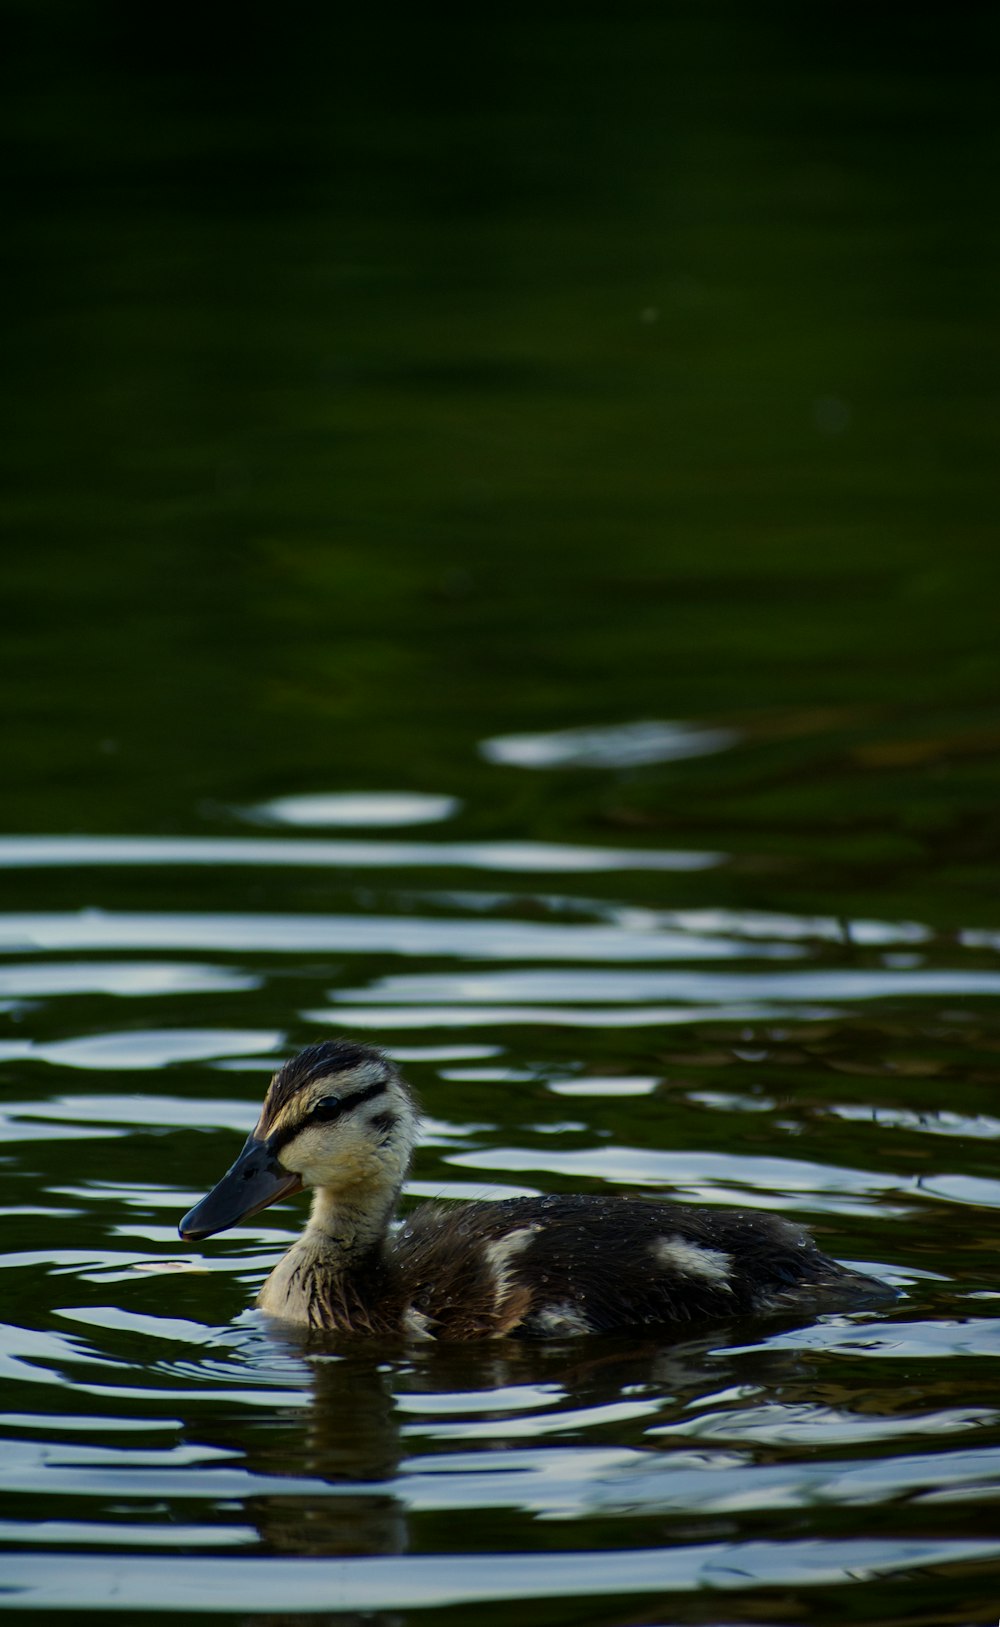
(502, 567)
(160, 1441)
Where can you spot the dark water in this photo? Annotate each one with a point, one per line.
(501, 561)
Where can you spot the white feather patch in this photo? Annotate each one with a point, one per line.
(416, 1324)
(551, 1321)
(500, 1256)
(693, 1260)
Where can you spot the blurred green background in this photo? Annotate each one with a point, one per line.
(379, 383)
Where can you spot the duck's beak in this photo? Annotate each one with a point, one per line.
(255, 1180)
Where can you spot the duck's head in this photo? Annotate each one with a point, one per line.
(338, 1117)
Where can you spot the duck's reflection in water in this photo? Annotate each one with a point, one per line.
(374, 1406)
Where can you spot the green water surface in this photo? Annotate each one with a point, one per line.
(380, 390)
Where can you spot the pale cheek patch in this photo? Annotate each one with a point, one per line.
(302, 1151)
(349, 1161)
(676, 1254)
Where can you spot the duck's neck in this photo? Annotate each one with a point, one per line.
(322, 1280)
(345, 1227)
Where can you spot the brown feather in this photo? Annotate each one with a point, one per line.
(595, 1258)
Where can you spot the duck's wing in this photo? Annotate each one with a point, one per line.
(556, 1266)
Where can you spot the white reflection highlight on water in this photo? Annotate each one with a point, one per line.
(807, 1426)
(978, 1190)
(743, 1177)
(119, 1319)
(393, 1018)
(769, 924)
(445, 1053)
(150, 1048)
(140, 1110)
(899, 1340)
(125, 1534)
(128, 977)
(68, 1423)
(569, 1483)
(704, 987)
(556, 1423)
(409, 1582)
(616, 745)
(979, 1126)
(56, 852)
(609, 1086)
(383, 809)
(359, 934)
(505, 1398)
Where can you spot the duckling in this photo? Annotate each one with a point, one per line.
(340, 1119)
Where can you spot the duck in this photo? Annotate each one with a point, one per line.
(340, 1120)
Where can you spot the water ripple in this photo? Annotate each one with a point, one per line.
(56, 852)
(704, 987)
(742, 1177)
(619, 745)
(354, 808)
(140, 1049)
(354, 934)
(571, 1483)
(130, 978)
(435, 1580)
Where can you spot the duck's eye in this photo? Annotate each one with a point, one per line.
(329, 1108)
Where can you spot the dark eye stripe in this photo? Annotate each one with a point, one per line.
(325, 1111)
(333, 1106)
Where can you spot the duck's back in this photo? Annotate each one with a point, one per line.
(555, 1266)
